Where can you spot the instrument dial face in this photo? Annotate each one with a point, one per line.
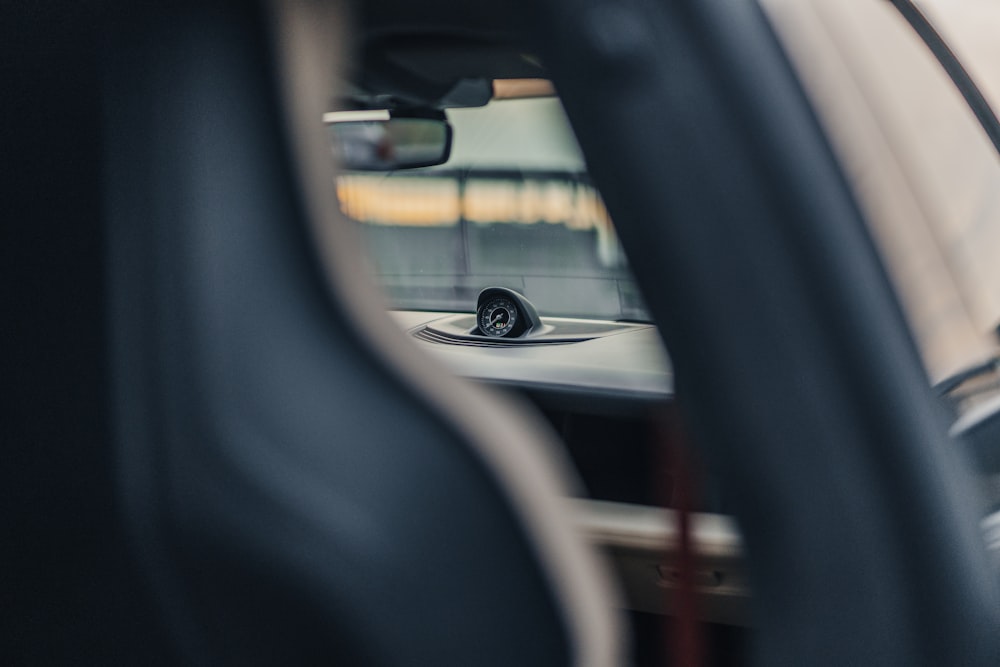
(497, 316)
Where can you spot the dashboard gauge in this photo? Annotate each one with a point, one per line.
(497, 316)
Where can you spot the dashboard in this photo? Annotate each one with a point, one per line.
(604, 367)
(607, 390)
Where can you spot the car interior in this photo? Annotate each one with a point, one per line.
(236, 433)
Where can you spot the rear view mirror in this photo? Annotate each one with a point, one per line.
(363, 143)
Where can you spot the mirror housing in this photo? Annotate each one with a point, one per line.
(388, 141)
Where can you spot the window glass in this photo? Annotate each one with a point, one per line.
(512, 207)
(923, 169)
(972, 30)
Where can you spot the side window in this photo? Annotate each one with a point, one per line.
(970, 28)
(922, 167)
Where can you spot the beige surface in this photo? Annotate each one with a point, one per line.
(922, 168)
(972, 30)
(528, 464)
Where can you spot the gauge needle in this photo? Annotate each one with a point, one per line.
(497, 318)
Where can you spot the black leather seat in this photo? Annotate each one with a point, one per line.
(229, 457)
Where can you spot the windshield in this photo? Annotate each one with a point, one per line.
(513, 207)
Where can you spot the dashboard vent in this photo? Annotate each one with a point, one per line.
(433, 336)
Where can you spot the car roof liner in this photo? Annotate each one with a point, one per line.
(426, 69)
(415, 53)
